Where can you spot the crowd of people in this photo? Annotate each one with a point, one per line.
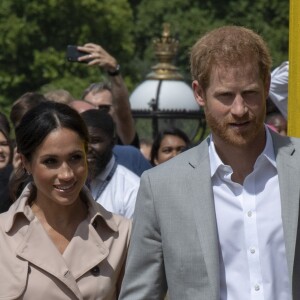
(88, 213)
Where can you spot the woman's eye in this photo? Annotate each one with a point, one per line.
(49, 161)
(4, 144)
(76, 157)
(166, 150)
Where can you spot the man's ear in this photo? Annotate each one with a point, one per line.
(198, 93)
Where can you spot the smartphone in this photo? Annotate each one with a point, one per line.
(73, 54)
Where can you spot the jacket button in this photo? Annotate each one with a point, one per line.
(94, 224)
(95, 271)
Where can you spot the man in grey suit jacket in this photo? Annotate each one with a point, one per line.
(220, 220)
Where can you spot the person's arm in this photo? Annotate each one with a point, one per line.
(124, 120)
(144, 273)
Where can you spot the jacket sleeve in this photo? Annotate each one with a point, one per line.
(144, 274)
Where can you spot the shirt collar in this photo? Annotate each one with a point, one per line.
(269, 148)
(216, 162)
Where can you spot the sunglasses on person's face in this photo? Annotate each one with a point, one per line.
(104, 107)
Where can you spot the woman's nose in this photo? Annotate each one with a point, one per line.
(65, 172)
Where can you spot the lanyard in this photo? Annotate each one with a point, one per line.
(104, 184)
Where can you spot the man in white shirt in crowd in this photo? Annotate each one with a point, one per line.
(220, 221)
(112, 185)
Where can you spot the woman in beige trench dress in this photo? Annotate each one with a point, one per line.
(56, 241)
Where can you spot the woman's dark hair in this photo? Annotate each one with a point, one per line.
(41, 120)
(35, 126)
(159, 137)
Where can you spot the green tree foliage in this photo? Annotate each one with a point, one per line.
(190, 19)
(270, 18)
(35, 34)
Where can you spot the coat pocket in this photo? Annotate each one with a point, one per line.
(13, 278)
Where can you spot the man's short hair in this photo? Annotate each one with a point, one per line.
(62, 96)
(99, 119)
(229, 46)
(95, 88)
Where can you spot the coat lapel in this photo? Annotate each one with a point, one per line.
(39, 250)
(86, 250)
(204, 214)
(288, 166)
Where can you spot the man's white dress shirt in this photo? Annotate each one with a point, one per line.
(119, 195)
(253, 262)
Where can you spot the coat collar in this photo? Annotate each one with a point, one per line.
(87, 249)
(97, 212)
(21, 206)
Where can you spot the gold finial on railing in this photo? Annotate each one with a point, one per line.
(165, 49)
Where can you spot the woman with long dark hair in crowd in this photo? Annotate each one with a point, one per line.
(167, 144)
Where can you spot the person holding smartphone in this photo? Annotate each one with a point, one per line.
(111, 96)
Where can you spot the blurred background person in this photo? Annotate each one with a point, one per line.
(131, 158)
(5, 142)
(167, 144)
(61, 95)
(6, 168)
(81, 106)
(145, 147)
(111, 96)
(277, 121)
(19, 108)
(23, 104)
(126, 155)
(279, 87)
(112, 185)
(276, 113)
(56, 241)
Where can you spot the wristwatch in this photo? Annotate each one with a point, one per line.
(115, 72)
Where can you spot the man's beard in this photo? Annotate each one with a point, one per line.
(99, 164)
(221, 128)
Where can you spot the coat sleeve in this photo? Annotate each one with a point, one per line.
(144, 274)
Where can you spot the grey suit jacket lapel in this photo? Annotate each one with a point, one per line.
(288, 166)
(204, 213)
